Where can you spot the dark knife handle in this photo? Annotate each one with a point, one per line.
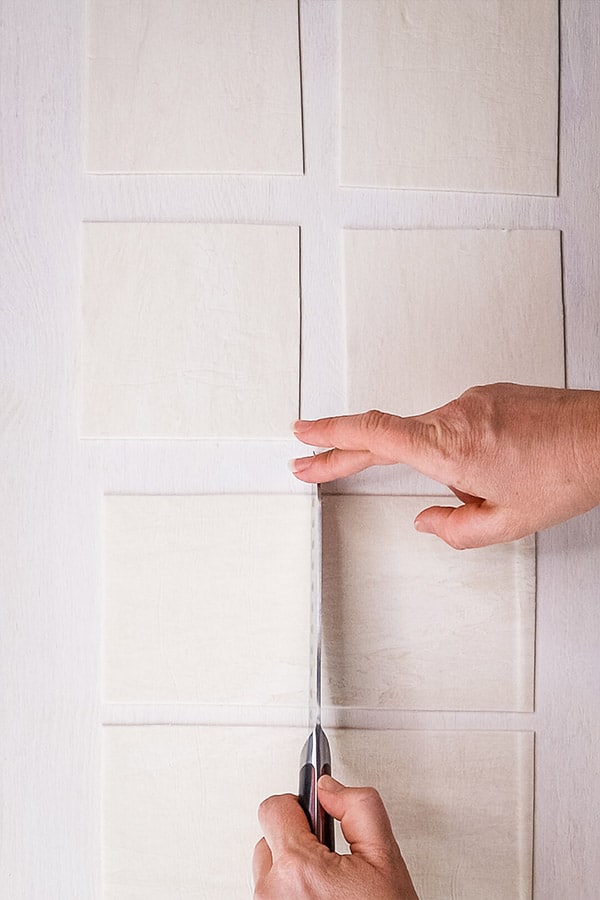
(315, 760)
(321, 823)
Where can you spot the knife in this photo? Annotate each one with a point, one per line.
(315, 759)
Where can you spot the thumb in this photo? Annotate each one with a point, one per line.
(364, 820)
(476, 524)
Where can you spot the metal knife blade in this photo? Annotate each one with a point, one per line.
(315, 759)
(316, 627)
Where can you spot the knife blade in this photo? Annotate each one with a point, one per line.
(315, 759)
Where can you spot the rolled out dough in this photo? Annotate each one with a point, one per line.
(180, 806)
(188, 86)
(460, 803)
(450, 95)
(431, 313)
(412, 624)
(207, 599)
(190, 330)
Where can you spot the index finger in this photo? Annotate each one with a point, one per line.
(284, 824)
(371, 438)
(373, 430)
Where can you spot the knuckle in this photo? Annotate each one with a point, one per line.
(331, 459)
(266, 808)
(374, 421)
(467, 424)
(447, 434)
(481, 403)
(275, 801)
(265, 805)
(293, 869)
(488, 390)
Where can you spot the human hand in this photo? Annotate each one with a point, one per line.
(520, 458)
(290, 863)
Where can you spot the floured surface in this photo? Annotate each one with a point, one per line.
(461, 805)
(431, 313)
(179, 806)
(409, 623)
(207, 599)
(190, 330)
(193, 87)
(446, 95)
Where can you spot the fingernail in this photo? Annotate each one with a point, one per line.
(422, 526)
(300, 426)
(299, 465)
(327, 783)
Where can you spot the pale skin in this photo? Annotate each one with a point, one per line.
(520, 459)
(290, 864)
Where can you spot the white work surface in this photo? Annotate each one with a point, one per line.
(53, 483)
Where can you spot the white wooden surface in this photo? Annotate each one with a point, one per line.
(52, 484)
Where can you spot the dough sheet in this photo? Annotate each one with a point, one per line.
(458, 95)
(431, 313)
(180, 806)
(188, 86)
(190, 330)
(207, 599)
(409, 623)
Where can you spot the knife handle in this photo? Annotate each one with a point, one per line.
(321, 823)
